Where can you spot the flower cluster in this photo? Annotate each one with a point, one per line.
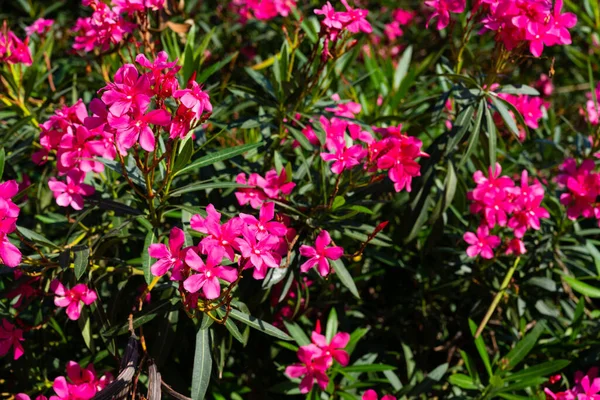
(501, 203)
(72, 299)
(320, 255)
(12, 49)
(261, 9)
(41, 26)
(353, 20)
(103, 28)
(317, 357)
(79, 384)
(11, 336)
(582, 185)
(535, 23)
(272, 186)
(587, 387)
(10, 255)
(254, 243)
(395, 152)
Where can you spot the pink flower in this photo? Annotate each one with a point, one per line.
(334, 349)
(208, 274)
(168, 257)
(12, 49)
(442, 10)
(221, 238)
(587, 387)
(130, 129)
(312, 367)
(264, 225)
(78, 149)
(72, 192)
(515, 246)
(333, 19)
(253, 195)
(195, 99)
(82, 383)
(372, 395)
(562, 23)
(128, 90)
(258, 252)
(73, 299)
(10, 336)
(10, 255)
(39, 26)
(277, 185)
(398, 155)
(528, 210)
(320, 255)
(343, 157)
(357, 19)
(482, 243)
(104, 27)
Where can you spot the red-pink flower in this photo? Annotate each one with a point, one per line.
(312, 367)
(357, 19)
(334, 350)
(104, 27)
(72, 192)
(259, 252)
(372, 395)
(276, 185)
(333, 19)
(442, 10)
(82, 383)
(587, 387)
(264, 225)
(481, 243)
(221, 238)
(194, 98)
(12, 49)
(134, 128)
(343, 157)
(11, 337)
(73, 299)
(129, 89)
(398, 155)
(39, 26)
(207, 276)
(320, 255)
(254, 194)
(170, 257)
(78, 149)
(528, 210)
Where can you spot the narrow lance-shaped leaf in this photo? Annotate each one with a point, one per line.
(202, 365)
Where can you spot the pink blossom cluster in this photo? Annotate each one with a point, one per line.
(320, 255)
(254, 243)
(532, 23)
(349, 145)
(591, 113)
(317, 357)
(79, 384)
(77, 150)
(501, 203)
(41, 26)
(12, 49)
(72, 299)
(372, 395)
(273, 186)
(400, 17)
(132, 109)
(582, 185)
(104, 27)
(587, 387)
(261, 9)
(11, 337)
(10, 255)
(334, 23)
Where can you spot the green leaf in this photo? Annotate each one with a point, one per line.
(462, 381)
(231, 327)
(480, 345)
(582, 287)
(519, 89)
(369, 368)
(194, 187)
(85, 327)
(332, 325)
(184, 156)
(543, 369)
(345, 277)
(402, 68)
(208, 72)
(2, 160)
(81, 262)
(146, 259)
(591, 249)
(259, 324)
(36, 237)
(520, 351)
(475, 133)
(217, 156)
(297, 333)
(504, 113)
(492, 136)
(202, 365)
(461, 126)
(338, 202)
(188, 55)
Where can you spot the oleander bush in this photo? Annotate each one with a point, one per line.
(263, 199)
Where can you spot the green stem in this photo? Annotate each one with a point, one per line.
(494, 304)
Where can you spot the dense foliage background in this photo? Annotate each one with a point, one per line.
(466, 98)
